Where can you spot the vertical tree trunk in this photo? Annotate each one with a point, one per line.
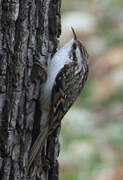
(28, 37)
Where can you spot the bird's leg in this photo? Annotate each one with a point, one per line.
(38, 75)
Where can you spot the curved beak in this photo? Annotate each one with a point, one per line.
(74, 34)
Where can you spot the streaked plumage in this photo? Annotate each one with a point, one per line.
(66, 76)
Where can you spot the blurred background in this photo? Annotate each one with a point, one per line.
(92, 131)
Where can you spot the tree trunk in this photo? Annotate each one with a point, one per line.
(28, 38)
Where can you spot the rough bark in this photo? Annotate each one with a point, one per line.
(28, 37)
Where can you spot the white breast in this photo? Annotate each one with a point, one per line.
(56, 64)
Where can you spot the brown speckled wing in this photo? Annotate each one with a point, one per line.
(66, 89)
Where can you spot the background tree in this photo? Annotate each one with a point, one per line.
(28, 37)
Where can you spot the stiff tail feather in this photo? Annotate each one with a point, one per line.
(37, 147)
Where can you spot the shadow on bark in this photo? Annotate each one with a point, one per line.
(28, 37)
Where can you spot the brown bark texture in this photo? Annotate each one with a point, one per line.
(28, 38)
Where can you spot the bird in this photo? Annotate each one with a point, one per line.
(67, 73)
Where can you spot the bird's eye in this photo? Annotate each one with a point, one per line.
(74, 46)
